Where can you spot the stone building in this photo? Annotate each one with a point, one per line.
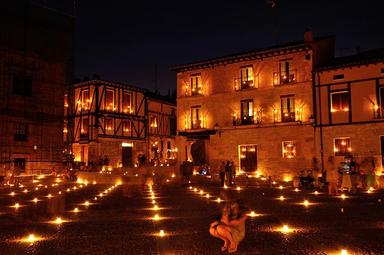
(36, 59)
(349, 107)
(118, 125)
(253, 108)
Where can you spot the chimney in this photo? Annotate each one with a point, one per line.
(308, 36)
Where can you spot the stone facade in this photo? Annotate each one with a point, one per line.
(34, 72)
(280, 113)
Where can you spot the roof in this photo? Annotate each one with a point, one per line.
(366, 57)
(110, 83)
(253, 54)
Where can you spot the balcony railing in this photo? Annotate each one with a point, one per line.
(288, 117)
(281, 78)
(249, 83)
(243, 120)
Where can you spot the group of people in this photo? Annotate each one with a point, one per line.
(227, 173)
(349, 174)
(230, 226)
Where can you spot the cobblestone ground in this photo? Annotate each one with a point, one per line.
(121, 220)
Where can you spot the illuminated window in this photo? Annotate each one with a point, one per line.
(246, 78)
(289, 149)
(340, 101)
(126, 127)
(66, 105)
(126, 102)
(109, 100)
(286, 73)
(196, 85)
(248, 157)
(153, 122)
(287, 108)
(196, 120)
(342, 146)
(84, 126)
(85, 100)
(247, 112)
(21, 132)
(109, 124)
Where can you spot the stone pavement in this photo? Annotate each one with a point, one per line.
(121, 220)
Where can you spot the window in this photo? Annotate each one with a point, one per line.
(246, 112)
(85, 100)
(248, 158)
(126, 127)
(22, 85)
(286, 73)
(338, 77)
(380, 110)
(382, 70)
(21, 132)
(84, 126)
(246, 78)
(66, 105)
(342, 146)
(109, 100)
(196, 117)
(168, 149)
(153, 122)
(340, 101)
(289, 149)
(109, 124)
(196, 86)
(19, 164)
(287, 108)
(126, 102)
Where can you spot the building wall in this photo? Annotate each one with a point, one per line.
(220, 103)
(35, 43)
(362, 123)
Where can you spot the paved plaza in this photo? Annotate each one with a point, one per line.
(92, 218)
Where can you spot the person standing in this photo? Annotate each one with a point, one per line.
(228, 173)
(233, 172)
(222, 174)
(353, 174)
(333, 177)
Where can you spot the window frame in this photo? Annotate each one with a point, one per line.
(337, 152)
(249, 118)
(284, 145)
(106, 106)
(290, 114)
(341, 92)
(196, 108)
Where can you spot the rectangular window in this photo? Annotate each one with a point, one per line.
(126, 127)
(289, 149)
(126, 102)
(340, 101)
(196, 85)
(22, 85)
(153, 122)
(85, 102)
(246, 77)
(338, 77)
(248, 158)
(247, 112)
(21, 132)
(109, 124)
(342, 146)
(84, 126)
(66, 105)
(380, 112)
(19, 164)
(287, 108)
(286, 73)
(196, 122)
(109, 100)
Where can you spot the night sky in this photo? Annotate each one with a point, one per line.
(124, 40)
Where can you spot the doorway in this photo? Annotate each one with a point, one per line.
(126, 156)
(248, 158)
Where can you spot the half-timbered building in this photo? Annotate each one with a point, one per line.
(117, 124)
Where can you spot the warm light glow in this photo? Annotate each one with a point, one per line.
(285, 229)
(16, 206)
(253, 214)
(238, 188)
(86, 203)
(12, 193)
(282, 198)
(218, 200)
(35, 200)
(76, 210)
(125, 144)
(201, 192)
(31, 238)
(207, 196)
(296, 190)
(155, 207)
(161, 233)
(344, 252)
(156, 217)
(343, 196)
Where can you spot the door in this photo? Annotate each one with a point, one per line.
(126, 157)
(248, 158)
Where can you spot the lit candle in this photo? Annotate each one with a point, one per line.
(218, 200)
(86, 203)
(344, 252)
(280, 187)
(296, 190)
(16, 205)
(281, 198)
(12, 194)
(238, 188)
(316, 192)
(76, 210)
(155, 207)
(306, 203)
(156, 217)
(161, 233)
(35, 200)
(58, 220)
(343, 196)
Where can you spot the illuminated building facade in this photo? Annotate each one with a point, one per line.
(124, 124)
(253, 108)
(36, 65)
(349, 107)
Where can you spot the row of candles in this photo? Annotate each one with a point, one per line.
(284, 229)
(33, 237)
(156, 208)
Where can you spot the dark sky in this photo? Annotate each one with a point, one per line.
(124, 40)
